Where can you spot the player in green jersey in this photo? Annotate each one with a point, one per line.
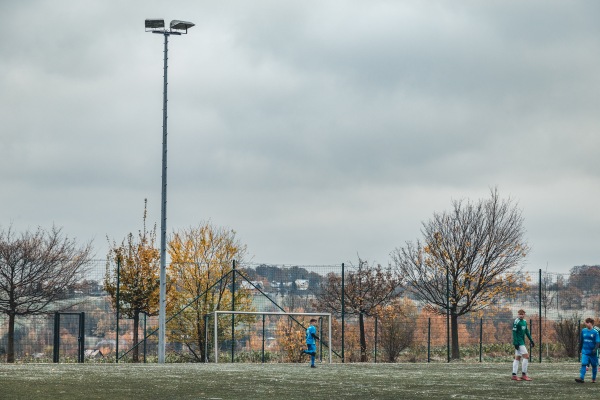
(519, 331)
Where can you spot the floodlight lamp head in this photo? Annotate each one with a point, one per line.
(180, 26)
(155, 25)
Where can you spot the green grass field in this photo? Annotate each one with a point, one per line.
(290, 381)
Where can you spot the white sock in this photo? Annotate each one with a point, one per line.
(515, 366)
(525, 363)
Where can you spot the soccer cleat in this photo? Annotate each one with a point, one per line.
(515, 378)
(313, 366)
(579, 380)
(593, 381)
(526, 378)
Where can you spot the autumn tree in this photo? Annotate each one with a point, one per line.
(571, 298)
(397, 326)
(36, 269)
(139, 277)
(200, 271)
(586, 278)
(366, 288)
(475, 249)
(290, 339)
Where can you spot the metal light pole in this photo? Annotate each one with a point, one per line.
(176, 28)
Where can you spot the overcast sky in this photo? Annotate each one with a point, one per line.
(317, 130)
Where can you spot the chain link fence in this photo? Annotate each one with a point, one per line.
(556, 304)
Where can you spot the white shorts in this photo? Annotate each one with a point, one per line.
(522, 351)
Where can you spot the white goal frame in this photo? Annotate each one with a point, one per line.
(216, 315)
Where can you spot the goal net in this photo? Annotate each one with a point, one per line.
(327, 316)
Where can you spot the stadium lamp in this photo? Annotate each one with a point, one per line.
(175, 28)
(181, 26)
(154, 24)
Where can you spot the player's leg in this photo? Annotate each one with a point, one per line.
(516, 366)
(312, 351)
(308, 349)
(594, 362)
(584, 363)
(524, 363)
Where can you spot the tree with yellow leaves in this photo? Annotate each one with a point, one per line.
(397, 324)
(139, 276)
(201, 276)
(290, 340)
(468, 258)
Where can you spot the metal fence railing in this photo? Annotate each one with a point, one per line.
(555, 305)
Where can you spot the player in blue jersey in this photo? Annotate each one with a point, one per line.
(597, 329)
(588, 347)
(311, 342)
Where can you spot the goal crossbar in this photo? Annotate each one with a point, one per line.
(306, 314)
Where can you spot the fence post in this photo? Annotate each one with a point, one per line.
(540, 310)
(205, 338)
(321, 340)
(145, 338)
(343, 311)
(429, 340)
(263, 338)
(56, 337)
(233, 315)
(118, 308)
(480, 339)
(530, 348)
(81, 338)
(448, 312)
(579, 336)
(376, 339)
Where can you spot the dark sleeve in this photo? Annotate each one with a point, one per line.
(581, 341)
(528, 333)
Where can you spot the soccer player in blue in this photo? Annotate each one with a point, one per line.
(597, 329)
(311, 344)
(588, 346)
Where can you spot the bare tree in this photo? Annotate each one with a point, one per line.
(567, 333)
(548, 296)
(365, 289)
(474, 249)
(36, 269)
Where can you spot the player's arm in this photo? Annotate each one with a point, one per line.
(313, 333)
(529, 336)
(597, 346)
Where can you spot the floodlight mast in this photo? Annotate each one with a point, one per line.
(176, 28)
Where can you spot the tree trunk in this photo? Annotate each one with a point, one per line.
(136, 326)
(363, 341)
(455, 348)
(10, 351)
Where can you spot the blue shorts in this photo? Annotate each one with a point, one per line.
(311, 348)
(589, 359)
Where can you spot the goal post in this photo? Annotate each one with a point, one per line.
(288, 314)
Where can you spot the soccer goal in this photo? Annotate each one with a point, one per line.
(284, 314)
